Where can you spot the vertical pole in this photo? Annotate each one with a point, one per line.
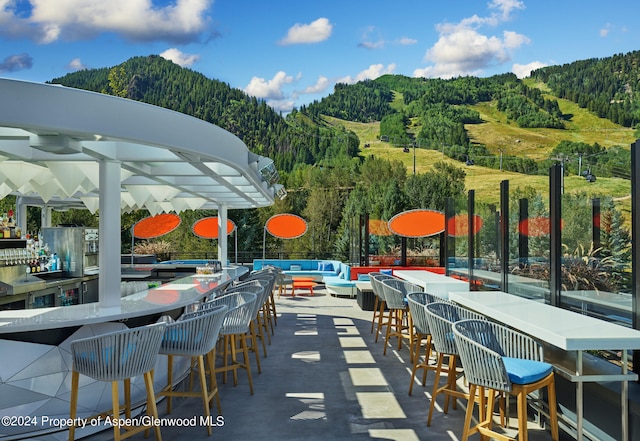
(635, 252)
(471, 248)
(448, 242)
(264, 243)
(595, 225)
(504, 235)
(109, 228)
(403, 251)
(222, 234)
(366, 239)
(523, 232)
(414, 159)
(555, 243)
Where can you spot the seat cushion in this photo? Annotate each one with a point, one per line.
(526, 371)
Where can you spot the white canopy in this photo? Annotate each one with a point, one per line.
(52, 138)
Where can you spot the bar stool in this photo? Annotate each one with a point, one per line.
(379, 304)
(118, 356)
(416, 301)
(441, 317)
(194, 335)
(235, 332)
(257, 331)
(503, 360)
(398, 317)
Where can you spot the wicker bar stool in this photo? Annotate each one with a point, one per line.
(503, 360)
(379, 305)
(235, 332)
(441, 317)
(194, 335)
(416, 301)
(114, 357)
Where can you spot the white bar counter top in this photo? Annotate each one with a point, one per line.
(433, 283)
(564, 329)
(167, 297)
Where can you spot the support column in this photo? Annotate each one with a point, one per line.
(21, 215)
(222, 234)
(109, 235)
(45, 216)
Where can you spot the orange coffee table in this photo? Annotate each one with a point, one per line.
(303, 283)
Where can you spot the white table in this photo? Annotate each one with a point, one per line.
(433, 283)
(566, 330)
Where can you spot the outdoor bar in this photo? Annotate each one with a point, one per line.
(63, 147)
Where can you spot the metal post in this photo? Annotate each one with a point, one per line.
(635, 252)
(555, 243)
(504, 235)
(595, 225)
(523, 232)
(448, 242)
(471, 248)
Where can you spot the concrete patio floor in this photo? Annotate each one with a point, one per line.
(325, 379)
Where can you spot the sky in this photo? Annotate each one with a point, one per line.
(290, 53)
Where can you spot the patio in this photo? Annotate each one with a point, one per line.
(325, 378)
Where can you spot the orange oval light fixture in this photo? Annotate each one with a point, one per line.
(286, 226)
(379, 227)
(458, 225)
(536, 226)
(417, 223)
(156, 226)
(207, 228)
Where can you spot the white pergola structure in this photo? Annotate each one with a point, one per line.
(66, 146)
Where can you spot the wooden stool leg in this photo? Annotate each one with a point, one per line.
(115, 403)
(213, 386)
(73, 403)
(169, 380)
(152, 409)
(469, 413)
(205, 395)
(434, 394)
(553, 415)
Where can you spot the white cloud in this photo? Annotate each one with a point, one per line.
(76, 64)
(524, 70)
(321, 85)
(371, 73)
(269, 89)
(314, 32)
(284, 105)
(137, 20)
(179, 57)
(406, 41)
(462, 49)
(506, 7)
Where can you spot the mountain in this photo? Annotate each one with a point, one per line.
(583, 109)
(160, 82)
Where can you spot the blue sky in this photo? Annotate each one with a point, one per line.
(290, 53)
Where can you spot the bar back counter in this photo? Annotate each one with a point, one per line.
(35, 373)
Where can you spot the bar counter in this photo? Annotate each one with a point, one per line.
(35, 375)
